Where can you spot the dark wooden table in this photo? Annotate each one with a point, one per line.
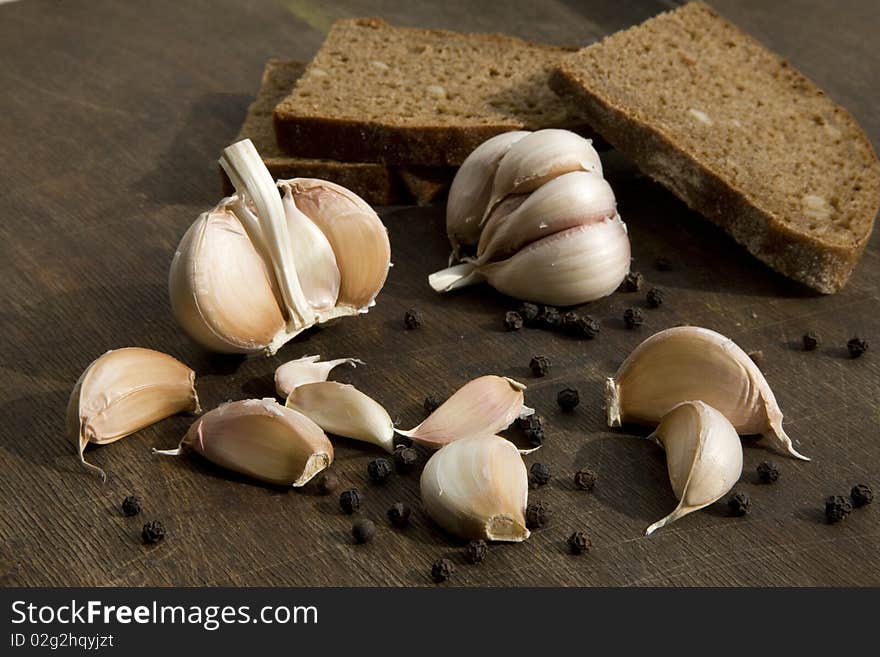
(112, 117)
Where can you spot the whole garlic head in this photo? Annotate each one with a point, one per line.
(275, 259)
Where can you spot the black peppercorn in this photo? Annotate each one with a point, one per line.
(131, 505)
(586, 327)
(811, 340)
(768, 472)
(412, 319)
(568, 398)
(540, 365)
(655, 297)
(633, 318)
(861, 495)
(539, 474)
(585, 479)
(663, 263)
(327, 483)
(153, 532)
(538, 514)
(856, 347)
(350, 500)
(632, 282)
(579, 543)
(529, 313)
(404, 458)
(379, 470)
(550, 319)
(476, 551)
(739, 504)
(432, 403)
(569, 321)
(442, 570)
(513, 321)
(399, 514)
(533, 428)
(363, 530)
(837, 508)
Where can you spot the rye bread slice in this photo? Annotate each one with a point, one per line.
(412, 96)
(375, 183)
(738, 134)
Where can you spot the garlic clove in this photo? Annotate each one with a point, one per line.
(703, 456)
(472, 187)
(344, 410)
(538, 158)
(308, 369)
(482, 407)
(477, 488)
(689, 362)
(259, 438)
(356, 234)
(124, 391)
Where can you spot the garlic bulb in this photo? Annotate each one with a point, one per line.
(688, 362)
(124, 391)
(308, 369)
(477, 488)
(703, 455)
(259, 438)
(260, 267)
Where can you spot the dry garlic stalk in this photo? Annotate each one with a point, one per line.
(261, 267)
(703, 455)
(124, 391)
(477, 488)
(308, 369)
(259, 438)
(688, 362)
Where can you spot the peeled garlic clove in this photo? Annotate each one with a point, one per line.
(308, 369)
(477, 488)
(354, 231)
(124, 391)
(689, 362)
(703, 455)
(481, 407)
(259, 438)
(344, 410)
(472, 187)
(539, 157)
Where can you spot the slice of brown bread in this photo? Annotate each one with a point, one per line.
(376, 183)
(738, 134)
(411, 96)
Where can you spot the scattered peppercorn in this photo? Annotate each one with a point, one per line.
(533, 428)
(633, 318)
(442, 570)
(768, 472)
(412, 319)
(529, 313)
(432, 403)
(550, 319)
(739, 504)
(327, 483)
(585, 479)
(153, 532)
(350, 500)
(632, 282)
(539, 474)
(568, 398)
(663, 263)
(857, 346)
(579, 543)
(655, 297)
(569, 321)
(513, 321)
(476, 551)
(538, 514)
(837, 508)
(404, 458)
(811, 340)
(379, 470)
(586, 327)
(861, 495)
(540, 365)
(363, 530)
(399, 514)
(131, 505)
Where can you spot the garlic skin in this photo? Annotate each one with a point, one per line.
(259, 438)
(308, 369)
(477, 488)
(703, 455)
(342, 409)
(124, 391)
(689, 362)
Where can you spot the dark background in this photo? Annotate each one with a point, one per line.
(112, 117)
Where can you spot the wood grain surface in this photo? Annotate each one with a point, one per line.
(112, 117)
